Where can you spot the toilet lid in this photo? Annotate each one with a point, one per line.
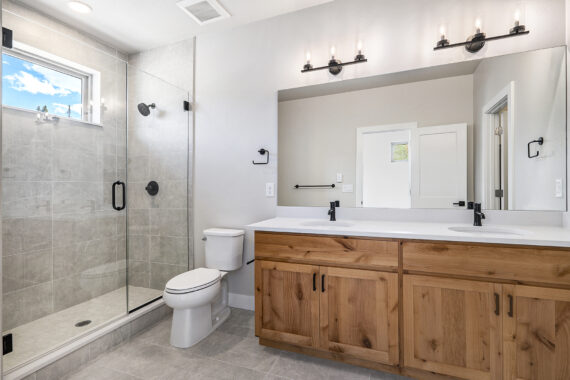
(193, 280)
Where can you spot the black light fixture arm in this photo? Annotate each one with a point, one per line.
(481, 40)
(330, 65)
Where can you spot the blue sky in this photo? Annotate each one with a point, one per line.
(28, 85)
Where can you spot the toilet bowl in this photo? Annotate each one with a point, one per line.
(199, 298)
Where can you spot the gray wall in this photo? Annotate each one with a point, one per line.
(540, 111)
(160, 149)
(61, 239)
(237, 102)
(317, 136)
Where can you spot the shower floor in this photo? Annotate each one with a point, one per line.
(51, 331)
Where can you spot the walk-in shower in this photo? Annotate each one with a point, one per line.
(75, 150)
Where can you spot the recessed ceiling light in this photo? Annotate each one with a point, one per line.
(80, 6)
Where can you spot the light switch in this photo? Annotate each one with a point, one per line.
(339, 177)
(270, 189)
(558, 188)
(348, 188)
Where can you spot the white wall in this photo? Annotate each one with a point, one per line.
(540, 111)
(238, 74)
(317, 136)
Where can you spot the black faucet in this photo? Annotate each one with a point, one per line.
(477, 215)
(332, 211)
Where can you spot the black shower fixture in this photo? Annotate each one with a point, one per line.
(335, 65)
(476, 41)
(144, 109)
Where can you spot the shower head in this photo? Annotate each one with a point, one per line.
(144, 109)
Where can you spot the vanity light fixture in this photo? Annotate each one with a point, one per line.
(335, 65)
(476, 42)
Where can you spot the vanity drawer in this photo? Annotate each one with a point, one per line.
(350, 252)
(520, 264)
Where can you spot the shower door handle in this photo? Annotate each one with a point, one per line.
(114, 191)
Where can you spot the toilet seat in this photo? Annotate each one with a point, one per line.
(192, 281)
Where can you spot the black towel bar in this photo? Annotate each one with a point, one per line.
(314, 186)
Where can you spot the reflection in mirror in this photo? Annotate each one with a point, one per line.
(490, 130)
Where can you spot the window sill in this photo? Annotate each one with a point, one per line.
(57, 118)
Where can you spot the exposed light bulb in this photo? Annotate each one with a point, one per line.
(333, 51)
(359, 47)
(442, 32)
(308, 57)
(517, 17)
(478, 25)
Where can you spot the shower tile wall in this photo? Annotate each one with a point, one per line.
(62, 242)
(159, 148)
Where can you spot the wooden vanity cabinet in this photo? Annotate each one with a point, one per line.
(536, 331)
(287, 302)
(359, 313)
(425, 309)
(453, 327)
(349, 311)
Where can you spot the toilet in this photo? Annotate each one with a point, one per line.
(200, 297)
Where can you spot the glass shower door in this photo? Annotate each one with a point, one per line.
(158, 185)
(63, 147)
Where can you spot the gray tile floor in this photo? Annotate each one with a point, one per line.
(231, 352)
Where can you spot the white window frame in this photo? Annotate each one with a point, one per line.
(90, 78)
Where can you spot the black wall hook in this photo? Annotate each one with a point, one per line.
(539, 141)
(262, 151)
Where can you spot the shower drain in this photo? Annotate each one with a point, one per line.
(83, 323)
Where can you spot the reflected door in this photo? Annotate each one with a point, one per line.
(439, 166)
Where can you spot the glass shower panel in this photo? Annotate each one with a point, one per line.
(157, 196)
(64, 145)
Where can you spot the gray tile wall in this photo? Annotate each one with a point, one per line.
(59, 229)
(159, 147)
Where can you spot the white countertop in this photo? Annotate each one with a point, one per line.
(524, 235)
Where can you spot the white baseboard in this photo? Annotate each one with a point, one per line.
(242, 301)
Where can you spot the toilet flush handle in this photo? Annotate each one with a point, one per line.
(204, 238)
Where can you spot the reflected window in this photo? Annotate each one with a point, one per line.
(399, 152)
(37, 85)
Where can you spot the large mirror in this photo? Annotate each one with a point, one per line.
(490, 130)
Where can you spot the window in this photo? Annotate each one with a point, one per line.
(33, 83)
(399, 152)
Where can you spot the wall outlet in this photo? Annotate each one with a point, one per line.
(270, 189)
(339, 177)
(348, 188)
(558, 188)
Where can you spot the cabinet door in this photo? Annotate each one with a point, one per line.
(536, 330)
(287, 302)
(453, 327)
(359, 313)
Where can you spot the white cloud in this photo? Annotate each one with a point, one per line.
(24, 81)
(61, 109)
(5, 63)
(52, 83)
(57, 79)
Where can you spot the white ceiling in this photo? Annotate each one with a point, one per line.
(137, 25)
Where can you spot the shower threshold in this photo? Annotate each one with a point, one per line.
(47, 333)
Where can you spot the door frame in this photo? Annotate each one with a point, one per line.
(505, 97)
(360, 132)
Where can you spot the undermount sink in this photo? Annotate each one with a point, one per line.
(489, 230)
(326, 223)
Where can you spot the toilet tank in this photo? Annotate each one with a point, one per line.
(224, 248)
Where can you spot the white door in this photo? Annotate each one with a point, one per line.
(383, 172)
(439, 166)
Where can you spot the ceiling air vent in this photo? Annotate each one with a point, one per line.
(203, 11)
